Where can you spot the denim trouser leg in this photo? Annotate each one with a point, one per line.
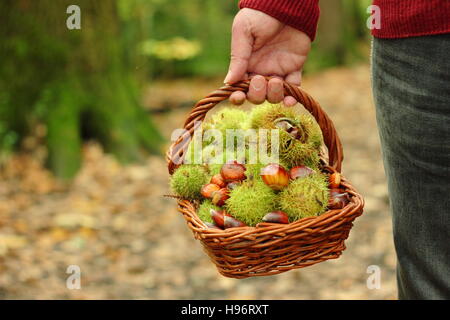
(411, 85)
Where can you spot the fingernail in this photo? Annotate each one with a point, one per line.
(277, 87)
(258, 84)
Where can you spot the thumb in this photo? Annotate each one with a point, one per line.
(241, 50)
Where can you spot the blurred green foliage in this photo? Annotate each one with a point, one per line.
(192, 37)
(198, 30)
(124, 43)
(78, 83)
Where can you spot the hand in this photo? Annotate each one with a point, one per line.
(263, 46)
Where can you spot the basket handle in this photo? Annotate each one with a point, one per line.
(198, 113)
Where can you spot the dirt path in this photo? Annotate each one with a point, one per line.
(131, 243)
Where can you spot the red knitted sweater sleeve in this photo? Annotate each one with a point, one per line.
(300, 14)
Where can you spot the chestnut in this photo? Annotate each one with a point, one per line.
(334, 180)
(335, 191)
(218, 180)
(212, 226)
(230, 222)
(220, 196)
(233, 184)
(300, 172)
(208, 189)
(284, 124)
(217, 217)
(275, 176)
(338, 201)
(233, 171)
(276, 217)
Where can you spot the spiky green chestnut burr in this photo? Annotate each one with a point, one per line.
(212, 156)
(264, 115)
(214, 169)
(204, 211)
(301, 145)
(313, 133)
(227, 118)
(305, 197)
(254, 170)
(305, 147)
(294, 153)
(251, 201)
(188, 180)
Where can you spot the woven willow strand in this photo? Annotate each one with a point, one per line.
(269, 248)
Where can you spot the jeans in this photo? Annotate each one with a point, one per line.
(411, 86)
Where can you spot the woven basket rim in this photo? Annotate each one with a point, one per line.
(325, 233)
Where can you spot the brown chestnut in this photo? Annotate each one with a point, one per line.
(220, 196)
(208, 189)
(212, 226)
(276, 217)
(230, 222)
(217, 217)
(338, 201)
(233, 171)
(334, 180)
(275, 176)
(233, 184)
(335, 191)
(218, 180)
(300, 172)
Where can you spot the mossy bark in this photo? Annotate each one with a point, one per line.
(79, 83)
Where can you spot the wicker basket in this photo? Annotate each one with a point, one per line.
(270, 248)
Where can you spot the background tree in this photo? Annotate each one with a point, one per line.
(341, 34)
(79, 83)
(85, 83)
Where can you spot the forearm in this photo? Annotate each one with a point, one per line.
(302, 15)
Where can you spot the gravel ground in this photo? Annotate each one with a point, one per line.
(130, 242)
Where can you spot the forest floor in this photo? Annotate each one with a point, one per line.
(131, 243)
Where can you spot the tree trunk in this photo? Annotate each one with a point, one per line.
(78, 82)
(341, 27)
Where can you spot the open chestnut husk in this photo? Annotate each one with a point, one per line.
(287, 125)
(284, 124)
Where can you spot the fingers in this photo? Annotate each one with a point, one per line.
(260, 90)
(294, 78)
(237, 98)
(275, 92)
(241, 50)
(257, 90)
(289, 101)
